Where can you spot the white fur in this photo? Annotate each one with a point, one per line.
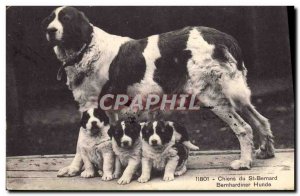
(130, 158)
(102, 50)
(155, 136)
(147, 84)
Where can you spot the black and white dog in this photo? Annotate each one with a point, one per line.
(127, 145)
(94, 147)
(194, 60)
(165, 148)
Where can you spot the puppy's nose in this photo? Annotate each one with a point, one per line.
(154, 142)
(51, 30)
(94, 124)
(125, 143)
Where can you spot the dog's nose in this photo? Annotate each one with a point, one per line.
(154, 142)
(51, 30)
(94, 124)
(125, 143)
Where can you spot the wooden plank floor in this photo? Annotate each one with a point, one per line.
(207, 170)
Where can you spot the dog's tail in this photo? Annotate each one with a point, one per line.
(190, 146)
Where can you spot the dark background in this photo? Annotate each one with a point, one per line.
(42, 116)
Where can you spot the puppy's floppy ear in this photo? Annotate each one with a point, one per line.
(83, 123)
(110, 131)
(137, 127)
(84, 119)
(169, 127)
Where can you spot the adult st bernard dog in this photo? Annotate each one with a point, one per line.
(192, 60)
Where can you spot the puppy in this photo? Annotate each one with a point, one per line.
(127, 145)
(165, 147)
(95, 145)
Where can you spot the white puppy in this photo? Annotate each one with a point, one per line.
(94, 146)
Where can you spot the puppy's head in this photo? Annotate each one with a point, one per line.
(94, 120)
(157, 133)
(125, 133)
(67, 27)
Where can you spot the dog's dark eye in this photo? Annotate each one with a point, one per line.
(66, 18)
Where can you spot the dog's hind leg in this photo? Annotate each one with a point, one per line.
(266, 148)
(242, 130)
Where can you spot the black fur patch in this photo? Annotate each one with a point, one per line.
(84, 119)
(132, 130)
(222, 42)
(147, 131)
(182, 152)
(98, 113)
(101, 115)
(76, 28)
(163, 130)
(171, 69)
(127, 68)
(179, 128)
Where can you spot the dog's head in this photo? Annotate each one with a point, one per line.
(125, 133)
(157, 133)
(68, 28)
(94, 120)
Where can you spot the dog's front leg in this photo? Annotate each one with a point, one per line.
(131, 168)
(108, 165)
(73, 169)
(118, 168)
(170, 168)
(89, 170)
(146, 170)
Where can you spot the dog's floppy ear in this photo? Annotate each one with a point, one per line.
(169, 127)
(142, 124)
(85, 27)
(84, 119)
(110, 131)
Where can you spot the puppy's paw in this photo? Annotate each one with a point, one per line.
(100, 172)
(107, 176)
(168, 177)
(124, 180)
(68, 171)
(240, 165)
(87, 174)
(180, 172)
(143, 179)
(116, 175)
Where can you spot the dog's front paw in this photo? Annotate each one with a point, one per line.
(107, 176)
(168, 177)
(264, 154)
(87, 174)
(68, 171)
(180, 172)
(124, 180)
(143, 179)
(240, 165)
